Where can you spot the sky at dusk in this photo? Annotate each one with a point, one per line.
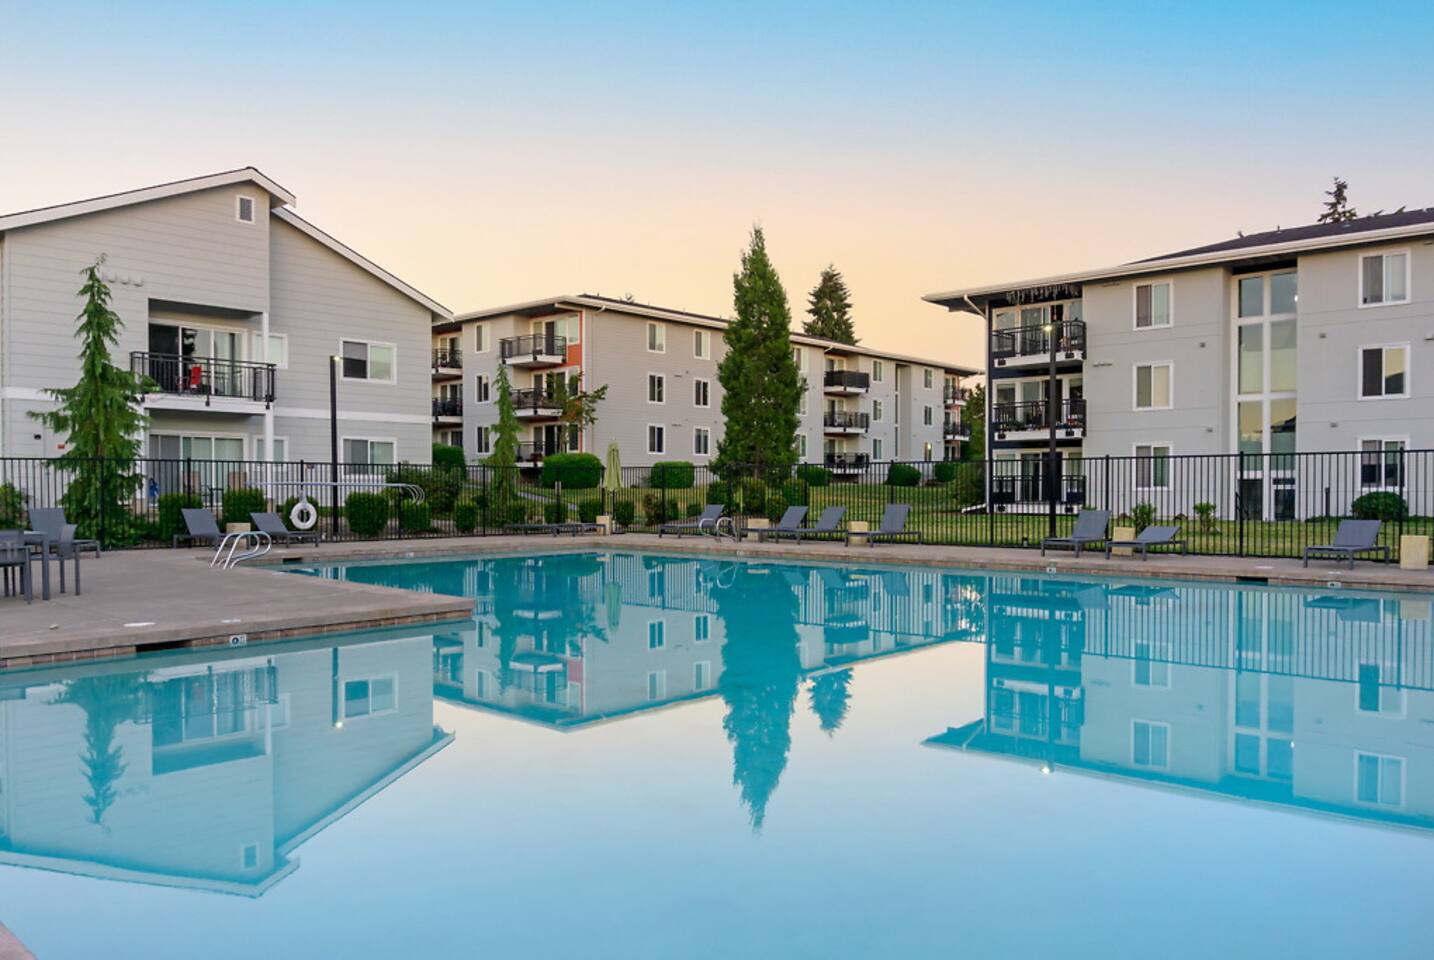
(495, 152)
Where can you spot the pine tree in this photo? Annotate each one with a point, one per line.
(761, 387)
(969, 487)
(100, 418)
(1337, 208)
(830, 308)
(504, 458)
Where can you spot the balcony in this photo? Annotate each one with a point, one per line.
(845, 422)
(1027, 492)
(535, 403)
(532, 452)
(447, 409)
(846, 382)
(188, 383)
(956, 396)
(847, 464)
(1031, 345)
(447, 362)
(1031, 420)
(534, 350)
(954, 430)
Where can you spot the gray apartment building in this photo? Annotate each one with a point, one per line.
(663, 400)
(234, 306)
(1304, 339)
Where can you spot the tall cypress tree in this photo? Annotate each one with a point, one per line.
(101, 420)
(829, 306)
(504, 458)
(761, 387)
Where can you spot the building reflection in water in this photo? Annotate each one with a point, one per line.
(1317, 702)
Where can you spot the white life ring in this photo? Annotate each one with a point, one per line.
(304, 515)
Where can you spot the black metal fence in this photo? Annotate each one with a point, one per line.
(1234, 505)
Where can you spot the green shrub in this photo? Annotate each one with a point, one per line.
(944, 471)
(465, 516)
(239, 502)
(968, 488)
(1205, 511)
(448, 457)
(415, 517)
(555, 512)
(1142, 515)
(656, 510)
(440, 486)
(693, 510)
(575, 471)
(672, 475)
(776, 506)
(624, 512)
(720, 491)
(903, 475)
(171, 521)
(814, 475)
(367, 513)
(588, 510)
(796, 493)
(517, 512)
(754, 496)
(1381, 505)
(12, 506)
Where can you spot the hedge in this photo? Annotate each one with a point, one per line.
(415, 517)
(555, 512)
(465, 516)
(448, 457)
(589, 510)
(903, 475)
(814, 475)
(672, 475)
(1381, 505)
(944, 471)
(624, 512)
(239, 502)
(367, 513)
(440, 486)
(171, 521)
(575, 471)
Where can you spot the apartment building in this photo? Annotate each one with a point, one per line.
(1305, 339)
(234, 306)
(664, 401)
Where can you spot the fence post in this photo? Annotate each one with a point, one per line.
(1239, 507)
(1106, 504)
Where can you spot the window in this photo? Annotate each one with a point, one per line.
(281, 448)
(358, 450)
(368, 361)
(484, 443)
(656, 338)
(702, 675)
(1146, 670)
(1383, 371)
(876, 411)
(702, 393)
(482, 389)
(1152, 386)
(702, 344)
(480, 338)
(801, 446)
(656, 634)
(1378, 780)
(370, 697)
(656, 438)
(1150, 744)
(244, 209)
(656, 388)
(802, 404)
(878, 371)
(702, 627)
(701, 441)
(1384, 278)
(657, 685)
(926, 418)
(799, 357)
(1381, 462)
(926, 451)
(277, 351)
(876, 448)
(926, 376)
(1152, 305)
(1152, 466)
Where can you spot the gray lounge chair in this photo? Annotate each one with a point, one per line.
(893, 526)
(52, 520)
(704, 523)
(271, 524)
(828, 525)
(1089, 530)
(1147, 538)
(1352, 537)
(791, 521)
(15, 565)
(200, 527)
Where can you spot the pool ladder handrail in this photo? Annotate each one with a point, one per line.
(263, 543)
(731, 528)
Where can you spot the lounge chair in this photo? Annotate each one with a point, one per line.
(1352, 537)
(52, 520)
(828, 525)
(271, 524)
(1089, 530)
(15, 565)
(200, 527)
(571, 527)
(791, 520)
(704, 523)
(893, 526)
(1147, 538)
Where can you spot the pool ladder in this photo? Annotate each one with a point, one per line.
(727, 525)
(262, 544)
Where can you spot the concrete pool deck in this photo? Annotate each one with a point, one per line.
(141, 599)
(11, 948)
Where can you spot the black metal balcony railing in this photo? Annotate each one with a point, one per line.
(953, 429)
(847, 461)
(447, 357)
(1030, 486)
(847, 378)
(534, 399)
(846, 420)
(1033, 415)
(534, 346)
(447, 407)
(533, 451)
(206, 377)
(957, 394)
(1035, 340)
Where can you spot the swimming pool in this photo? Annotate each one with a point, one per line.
(637, 755)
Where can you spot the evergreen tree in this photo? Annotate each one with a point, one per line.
(504, 458)
(579, 407)
(101, 420)
(829, 695)
(830, 308)
(969, 487)
(1337, 208)
(107, 702)
(761, 387)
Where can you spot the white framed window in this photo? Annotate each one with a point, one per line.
(1384, 278)
(1375, 691)
(702, 344)
(1150, 668)
(926, 451)
(656, 337)
(369, 452)
(802, 404)
(482, 389)
(281, 448)
(1381, 461)
(656, 634)
(656, 388)
(876, 448)
(702, 675)
(656, 438)
(878, 371)
(1384, 371)
(481, 340)
(876, 411)
(702, 627)
(276, 351)
(1149, 744)
(369, 361)
(927, 378)
(1152, 386)
(656, 684)
(801, 446)
(926, 416)
(370, 697)
(799, 357)
(701, 441)
(1378, 779)
(1152, 466)
(244, 207)
(484, 441)
(701, 393)
(1153, 304)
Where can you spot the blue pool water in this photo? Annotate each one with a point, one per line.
(630, 755)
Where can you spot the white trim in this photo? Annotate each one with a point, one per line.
(661, 634)
(706, 381)
(369, 679)
(1381, 453)
(393, 380)
(303, 413)
(1152, 444)
(1135, 385)
(1403, 779)
(1152, 283)
(1408, 276)
(239, 199)
(487, 379)
(1408, 371)
(259, 336)
(1168, 740)
(701, 453)
(663, 428)
(481, 332)
(182, 433)
(662, 388)
(1381, 712)
(704, 337)
(661, 328)
(370, 441)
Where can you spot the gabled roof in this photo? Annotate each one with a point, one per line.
(1312, 231)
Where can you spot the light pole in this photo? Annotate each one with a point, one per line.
(334, 362)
